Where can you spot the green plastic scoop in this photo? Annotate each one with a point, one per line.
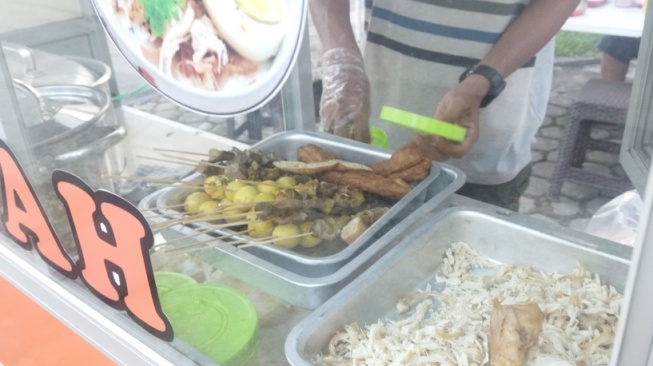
(423, 124)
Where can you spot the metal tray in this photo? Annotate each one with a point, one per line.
(513, 239)
(307, 290)
(328, 257)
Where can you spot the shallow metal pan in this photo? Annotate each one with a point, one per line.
(325, 259)
(307, 290)
(512, 239)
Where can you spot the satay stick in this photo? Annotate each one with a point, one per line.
(225, 243)
(147, 179)
(244, 204)
(191, 246)
(211, 246)
(201, 216)
(166, 160)
(163, 207)
(179, 184)
(203, 230)
(217, 217)
(195, 161)
(182, 219)
(261, 241)
(179, 151)
(199, 243)
(271, 239)
(164, 225)
(193, 219)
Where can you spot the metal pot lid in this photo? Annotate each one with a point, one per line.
(66, 110)
(35, 67)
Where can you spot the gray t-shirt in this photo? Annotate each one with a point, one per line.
(415, 53)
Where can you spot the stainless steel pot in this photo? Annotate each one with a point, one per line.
(67, 111)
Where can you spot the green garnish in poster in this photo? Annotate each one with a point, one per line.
(159, 13)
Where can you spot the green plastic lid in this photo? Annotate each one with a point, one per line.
(423, 124)
(166, 281)
(218, 321)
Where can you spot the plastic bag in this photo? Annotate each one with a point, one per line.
(617, 220)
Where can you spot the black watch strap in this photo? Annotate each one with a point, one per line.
(497, 84)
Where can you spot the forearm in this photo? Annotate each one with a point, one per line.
(331, 20)
(532, 29)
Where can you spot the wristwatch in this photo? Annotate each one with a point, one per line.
(497, 84)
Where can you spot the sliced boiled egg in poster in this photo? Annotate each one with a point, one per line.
(254, 28)
(220, 57)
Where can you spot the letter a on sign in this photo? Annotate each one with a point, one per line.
(24, 218)
(113, 240)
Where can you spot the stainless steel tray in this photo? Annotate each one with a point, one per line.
(325, 258)
(295, 284)
(513, 239)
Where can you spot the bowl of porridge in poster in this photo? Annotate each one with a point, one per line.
(220, 57)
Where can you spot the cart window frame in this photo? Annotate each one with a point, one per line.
(637, 145)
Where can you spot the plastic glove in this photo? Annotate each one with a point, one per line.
(345, 104)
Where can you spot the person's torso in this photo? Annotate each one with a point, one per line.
(415, 53)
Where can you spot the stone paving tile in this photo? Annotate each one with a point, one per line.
(577, 203)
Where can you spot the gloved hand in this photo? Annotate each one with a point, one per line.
(345, 103)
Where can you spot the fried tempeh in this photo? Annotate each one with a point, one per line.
(415, 173)
(369, 182)
(400, 160)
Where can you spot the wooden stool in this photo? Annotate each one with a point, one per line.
(599, 102)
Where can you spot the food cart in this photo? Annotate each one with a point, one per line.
(106, 256)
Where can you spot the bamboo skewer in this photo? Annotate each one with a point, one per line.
(205, 216)
(268, 240)
(179, 151)
(211, 246)
(195, 161)
(190, 247)
(146, 179)
(261, 241)
(178, 184)
(183, 220)
(201, 231)
(219, 217)
(163, 207)
(181, 161)
(168, 224)
(166, 160)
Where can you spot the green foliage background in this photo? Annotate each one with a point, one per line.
(576, 44)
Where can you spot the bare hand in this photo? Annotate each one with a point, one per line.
(461, 106)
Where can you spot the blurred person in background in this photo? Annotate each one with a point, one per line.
(486, 66)
(616, 54)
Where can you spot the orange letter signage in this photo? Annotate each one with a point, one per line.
(113, 240)
(24, 218)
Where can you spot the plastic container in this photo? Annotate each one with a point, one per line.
(216, 320)
(167, 281)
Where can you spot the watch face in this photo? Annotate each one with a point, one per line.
(220, 57)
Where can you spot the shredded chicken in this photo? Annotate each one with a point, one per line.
(205, 41)
(190, 50)
(449, 325)
(177, 33)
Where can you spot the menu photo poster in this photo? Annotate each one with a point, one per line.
(216, 57)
